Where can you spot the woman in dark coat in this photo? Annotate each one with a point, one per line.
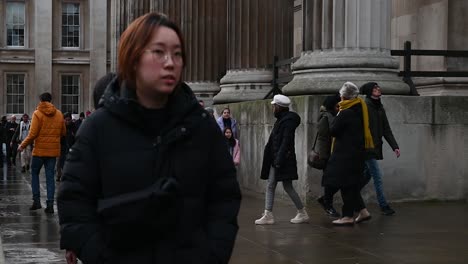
(345, 167)
(149, 178)
(279, 161)
(328, 111)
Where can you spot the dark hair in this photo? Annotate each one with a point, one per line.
(45, 97)
(82, 114)
(67, 114)
(134, 39)
(367, 88)
(330, 102)
(231, 141)
(100, 87)
(25, 115)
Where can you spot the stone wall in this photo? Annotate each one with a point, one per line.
(430, 132)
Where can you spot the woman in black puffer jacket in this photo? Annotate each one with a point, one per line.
(149, 179)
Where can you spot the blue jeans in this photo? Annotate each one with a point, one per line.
(49, 166)
(372, 168)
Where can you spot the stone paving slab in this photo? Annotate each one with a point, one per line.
(430, 233)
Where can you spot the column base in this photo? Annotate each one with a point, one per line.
(442, 86)
(324, 72)
(244, 85)
(205, 91)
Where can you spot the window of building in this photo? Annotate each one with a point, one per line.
(70, 93)
(15, 24)
(71, 25)
(15, 93)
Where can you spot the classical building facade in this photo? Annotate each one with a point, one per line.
(52, 46)
(65, 46)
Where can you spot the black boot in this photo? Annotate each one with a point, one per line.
(50, 208)
(36, 205)
(23, 169)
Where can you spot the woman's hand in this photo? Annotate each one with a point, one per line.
(70, 256)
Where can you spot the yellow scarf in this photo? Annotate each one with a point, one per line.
(368, 142)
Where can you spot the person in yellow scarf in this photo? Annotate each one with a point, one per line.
(345, 167)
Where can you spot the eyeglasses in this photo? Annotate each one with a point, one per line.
(162, 57)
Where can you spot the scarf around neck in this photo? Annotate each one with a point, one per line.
(368, 142)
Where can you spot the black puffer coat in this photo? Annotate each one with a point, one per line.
(280, 151)
(116, 157)
(346, 164)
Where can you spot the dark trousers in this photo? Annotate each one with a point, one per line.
(352, 200)
(329, 192)
(1, 154)
(11, 153)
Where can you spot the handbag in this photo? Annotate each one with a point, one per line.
(313, 158)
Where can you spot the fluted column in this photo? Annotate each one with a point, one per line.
(43, 47)
(257, 31)
(350, 42)
(203, 25)
(98, 47)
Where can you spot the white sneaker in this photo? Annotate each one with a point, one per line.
(301, 217)
(266, 219)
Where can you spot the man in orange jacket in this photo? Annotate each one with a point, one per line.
(47, 127)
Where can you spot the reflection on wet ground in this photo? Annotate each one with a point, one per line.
(418, 233)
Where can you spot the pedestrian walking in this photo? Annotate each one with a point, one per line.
(3, 135)
(279, 161)
(149, 178)
(328, 111)
(232, 145)
(47, 127)
(352, 137)
(11, 149)
(20, 135)
(225, 120)
(66, 142)
(379, 127)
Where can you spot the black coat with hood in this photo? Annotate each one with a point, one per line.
(280, 150)
(115, 162)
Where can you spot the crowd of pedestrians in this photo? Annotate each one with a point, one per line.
(133, 185)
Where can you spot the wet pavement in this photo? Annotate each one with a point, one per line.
(429, 232)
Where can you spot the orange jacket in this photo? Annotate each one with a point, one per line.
(47, 127)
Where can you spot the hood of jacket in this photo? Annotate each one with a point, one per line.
(121, 101)
(47, 108)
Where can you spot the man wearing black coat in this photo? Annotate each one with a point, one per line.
(380, 127)
(279, 161)
(11, 146)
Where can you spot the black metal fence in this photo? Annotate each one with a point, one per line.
(407, 74)
(282, 68)
(281, 75)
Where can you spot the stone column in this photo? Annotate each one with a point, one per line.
(123, 12)
(203, 25)
(257, 31)
(350, 42)
(98, 44)
(436, 25)
(43, 48)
